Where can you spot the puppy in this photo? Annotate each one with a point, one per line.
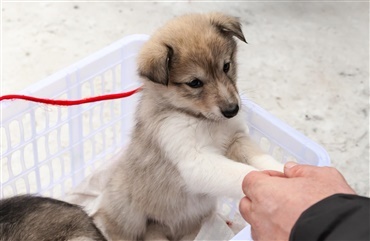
(39, 218)
(189, 145)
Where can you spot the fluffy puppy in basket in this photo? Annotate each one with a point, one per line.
(35, 218)
(189, 145)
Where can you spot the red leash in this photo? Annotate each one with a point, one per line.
(70, 102)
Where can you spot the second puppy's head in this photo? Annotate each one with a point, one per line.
(190, 63)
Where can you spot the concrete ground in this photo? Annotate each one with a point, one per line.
(307, 63)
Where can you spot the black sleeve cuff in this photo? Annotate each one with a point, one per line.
(338, 217)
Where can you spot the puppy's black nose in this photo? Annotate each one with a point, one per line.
(230, 111)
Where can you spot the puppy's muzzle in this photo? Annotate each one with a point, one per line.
(230, 111)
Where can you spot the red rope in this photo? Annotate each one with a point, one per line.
(70, 102)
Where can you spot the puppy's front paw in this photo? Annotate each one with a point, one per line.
(266, 162)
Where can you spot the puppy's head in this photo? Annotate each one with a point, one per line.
(190, 63)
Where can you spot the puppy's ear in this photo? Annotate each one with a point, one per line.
(154, 62)
(227, 24)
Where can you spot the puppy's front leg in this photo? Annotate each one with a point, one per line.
(213, 174)
(243, 149)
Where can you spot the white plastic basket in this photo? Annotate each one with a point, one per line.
(49, 150)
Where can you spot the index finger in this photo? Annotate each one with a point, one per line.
(250, 181)
(273, 173)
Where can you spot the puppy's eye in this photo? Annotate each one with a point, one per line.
(196, 83)
(226, 67)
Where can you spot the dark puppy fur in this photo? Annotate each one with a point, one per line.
(35, 218)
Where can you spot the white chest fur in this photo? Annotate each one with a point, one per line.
(179, 134)
(197, 148)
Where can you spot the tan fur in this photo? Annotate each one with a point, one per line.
(35, 218)
(200, 45)
(156, 181)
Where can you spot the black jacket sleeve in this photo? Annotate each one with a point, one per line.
(338, 217)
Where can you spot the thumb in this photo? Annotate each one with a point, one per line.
(292, 169)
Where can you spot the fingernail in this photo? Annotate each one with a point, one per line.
(290, 165)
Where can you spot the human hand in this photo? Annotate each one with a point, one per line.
(274, 200)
